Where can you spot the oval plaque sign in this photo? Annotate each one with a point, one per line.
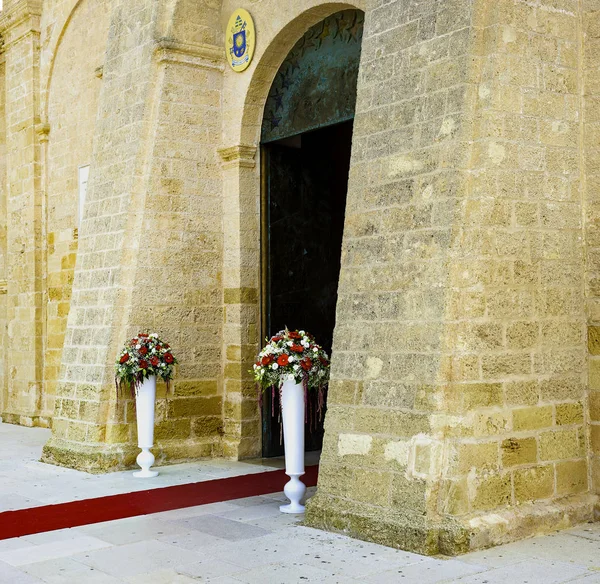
(240, 40)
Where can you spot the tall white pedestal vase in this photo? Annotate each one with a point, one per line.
(292, 407)
(145, 397)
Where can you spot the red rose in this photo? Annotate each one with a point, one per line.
(166, 345)
(134, 341)
(144, 364)
(124, 358)
(154, 361)
(266, 360)
(276, 339)
(297, 348)
(294, 335)
(323, 361)
(143, 336)
(306, 364)
(143, 350)
(283, 360)
(168, 358)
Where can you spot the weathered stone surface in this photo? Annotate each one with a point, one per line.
(468, 318)
(494, 271)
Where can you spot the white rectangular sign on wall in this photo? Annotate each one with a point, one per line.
(84, 173)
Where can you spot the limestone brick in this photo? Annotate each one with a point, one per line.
(24, 250)
(533, 484)
(466, 364)
(121, 259)
(499, 276)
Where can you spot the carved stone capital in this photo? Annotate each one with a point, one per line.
(240, 155)
(43, 131)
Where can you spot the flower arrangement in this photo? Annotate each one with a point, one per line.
(142, 357)
(292, 355)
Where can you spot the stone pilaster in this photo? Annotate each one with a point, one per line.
(150, 249)
(241, 223)
(91, 431)
(20, 28)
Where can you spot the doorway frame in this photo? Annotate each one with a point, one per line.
(242, 218)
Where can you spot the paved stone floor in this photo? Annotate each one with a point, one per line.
(249, 540)
(26, 482)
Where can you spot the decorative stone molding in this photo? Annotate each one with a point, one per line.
(240, 155)
(195, 55)
(18, 20)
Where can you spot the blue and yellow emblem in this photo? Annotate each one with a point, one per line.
(240, 40)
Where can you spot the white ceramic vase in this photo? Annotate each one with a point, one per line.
(292, 407)
(145, 396)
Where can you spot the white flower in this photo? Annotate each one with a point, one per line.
(302, 332)
(154, 335)
(291, 359)
(274, 366)
(289, 343)
(255, 366)
(138, 346)
(315, 350)
(296, 367)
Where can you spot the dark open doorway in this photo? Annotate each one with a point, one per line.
(306, 186)
(306, 140)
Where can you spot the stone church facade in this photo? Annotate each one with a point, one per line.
(464, 407)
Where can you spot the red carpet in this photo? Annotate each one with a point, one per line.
(75, 513)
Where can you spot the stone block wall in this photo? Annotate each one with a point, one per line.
(3, 236)
(74, 88)
(390, 360)
(149, 247)
(20, 23)
(523, 257)
(459, 403)
(459, 411)
(591, 182)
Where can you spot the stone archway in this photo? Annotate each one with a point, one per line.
(245, 96)
(306, 141)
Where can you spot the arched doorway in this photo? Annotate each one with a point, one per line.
(306, 140)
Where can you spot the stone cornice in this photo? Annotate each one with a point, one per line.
(240, 155)
(195, 55)
(16, 14)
